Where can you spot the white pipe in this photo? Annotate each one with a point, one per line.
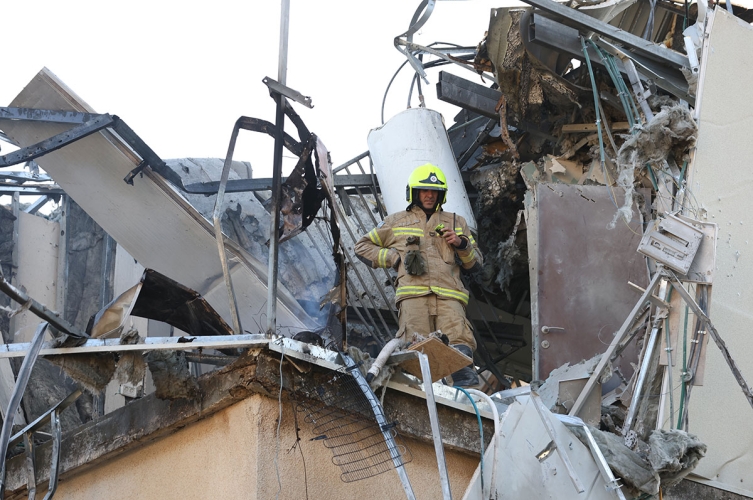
(495, 413)
(690, 48)
(379, 362)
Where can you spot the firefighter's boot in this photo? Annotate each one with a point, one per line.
(465, 377)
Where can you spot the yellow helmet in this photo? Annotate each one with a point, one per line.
(426, 176)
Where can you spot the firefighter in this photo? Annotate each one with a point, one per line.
(427, 246)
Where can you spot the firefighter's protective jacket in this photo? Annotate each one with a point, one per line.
(387, 242)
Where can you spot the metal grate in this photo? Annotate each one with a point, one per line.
(342, 417)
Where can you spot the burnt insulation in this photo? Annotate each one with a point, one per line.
(500, 197)
(172, 378)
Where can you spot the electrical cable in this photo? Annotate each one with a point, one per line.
(597, 110)
(632, 104)
(616, 77)
(297, 444)
(481, 431)
(596, 100)
(421, 102)
(384, 99)
(648, 30)
(653, 177)
(694, 206)
(430, 64)
(687, 15)
(305, 472)
(622, 87)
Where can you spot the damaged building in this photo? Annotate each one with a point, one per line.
(156, 313)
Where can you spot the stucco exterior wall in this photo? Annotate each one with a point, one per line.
(721, 178)
(231, 455)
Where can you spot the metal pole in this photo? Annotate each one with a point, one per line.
(40, 310)
(607, 356)
(15, 399)
(643, 374)
(282, 62)
(382, 421)
(434, 420)
(219, 238)
(274, 235)
(57, 438)
(747, 390)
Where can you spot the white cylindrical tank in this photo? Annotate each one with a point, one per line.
(408, 140)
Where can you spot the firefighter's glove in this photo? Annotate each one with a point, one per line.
(393, 259)
(414, 262)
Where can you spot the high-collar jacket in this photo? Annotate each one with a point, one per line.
(384, 244)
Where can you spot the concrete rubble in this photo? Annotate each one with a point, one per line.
(585, 157)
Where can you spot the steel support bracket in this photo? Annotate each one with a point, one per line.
(87, 124)
(284, 90)
(58, 141)
(27, 434)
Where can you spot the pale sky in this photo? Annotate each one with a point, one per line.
(180, 74)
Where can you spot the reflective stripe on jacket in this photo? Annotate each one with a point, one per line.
(442, 276)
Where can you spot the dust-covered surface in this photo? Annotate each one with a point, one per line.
(668, 457)
(533, 96)
(48, 385)
(172, 377)
(549, 390)
(636, 473)
(131, 366)
(674, 454)
(689, 489)
(92, 371)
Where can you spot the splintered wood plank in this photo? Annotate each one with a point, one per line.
(150, 219)
(443, 360)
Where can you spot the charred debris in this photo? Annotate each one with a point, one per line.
(575, 136)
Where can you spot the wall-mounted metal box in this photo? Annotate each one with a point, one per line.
(672, 241)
